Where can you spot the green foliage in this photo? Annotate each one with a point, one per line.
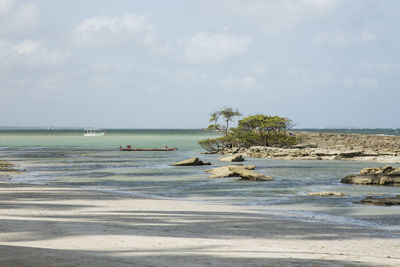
(263, 123)
(256, 130)
(245, 138)
(240, 138)
(227, 114)
(213, 127)
(280, 139)
(214, 145)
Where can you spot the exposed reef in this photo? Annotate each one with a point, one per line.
(375, 176)
(331, 146)
(191, 162)
(245, 172)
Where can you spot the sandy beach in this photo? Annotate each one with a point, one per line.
(199, 133)
(44, 225)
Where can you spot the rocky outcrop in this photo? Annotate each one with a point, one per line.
(382, 201)
(387, 170)
(327, 194)
(278, 153)
(369, 144)
(228, 171)
(191, 162)
(7, 169)
(375, 176)
(350, 154)
(233, 158)
(371, 180)
(245, 172)
(331, 146)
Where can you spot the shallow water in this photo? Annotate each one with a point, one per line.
(69, 158)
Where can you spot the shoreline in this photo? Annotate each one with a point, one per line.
(331, 146)
(69, 225)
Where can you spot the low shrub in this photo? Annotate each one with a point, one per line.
(214, 145)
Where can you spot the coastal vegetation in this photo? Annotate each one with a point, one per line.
(227, 115)
(255, 130)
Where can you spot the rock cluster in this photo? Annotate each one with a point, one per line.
(375, 176)
(245, 172)
(7, 169)
(233, 158)
(315, 154)
(327, 194)
(368, 144)
(382, 201)
(191, 162)
(387, 170)
(331, 146)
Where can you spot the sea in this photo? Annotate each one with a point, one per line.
(67, 158)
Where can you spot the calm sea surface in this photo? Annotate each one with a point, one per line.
(68, 158)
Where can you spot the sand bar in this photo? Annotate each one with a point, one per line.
(44, 225)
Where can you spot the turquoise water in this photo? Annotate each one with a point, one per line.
(69, 158)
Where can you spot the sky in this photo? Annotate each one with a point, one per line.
(169, 64)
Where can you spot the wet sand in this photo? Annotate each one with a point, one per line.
(44, 225)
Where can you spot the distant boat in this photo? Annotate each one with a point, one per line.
(129, 148)
(93, 132)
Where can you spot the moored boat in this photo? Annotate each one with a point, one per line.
(130, 148)
(93, 132)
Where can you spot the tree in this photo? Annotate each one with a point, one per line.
(262, 123)
(267, 127)
(256, 130)
(227, 114)
(214, 118)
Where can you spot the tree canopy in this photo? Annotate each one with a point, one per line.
(255, 130)
(262, 123)
(227, 114)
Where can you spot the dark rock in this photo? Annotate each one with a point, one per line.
(382, 201)
(371, 180)
(350, 154)
(327, 194)
(379, 170)
(303, 146)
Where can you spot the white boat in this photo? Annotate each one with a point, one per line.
(93, 132)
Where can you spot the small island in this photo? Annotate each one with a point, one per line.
(265, 136)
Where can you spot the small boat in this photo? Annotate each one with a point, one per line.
(93, 132)
(129, 148)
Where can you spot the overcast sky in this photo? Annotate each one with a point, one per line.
(169, 64)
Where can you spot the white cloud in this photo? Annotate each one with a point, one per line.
(361, 82)
(344, 39)
(119, 30)
(6, 6)
(188, 76)
(28, 46)
(378, 67)
(30, 53)
(271, 16)
(307, 78)
(242, 83)
(206, 47)
(17, 16)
